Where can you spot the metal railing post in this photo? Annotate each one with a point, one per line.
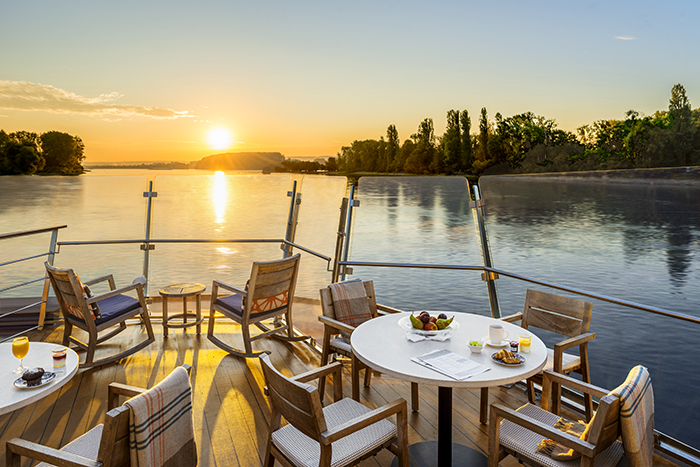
(340, 240)
(487, 276)
(146, 246)
(45, 293)
(352, 203)
(292, 219)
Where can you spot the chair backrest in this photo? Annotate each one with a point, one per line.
(327, 300)
(115, 443)
(605, 426)
(271, 285)
(298, 403)
(563, 315)
(69, 293)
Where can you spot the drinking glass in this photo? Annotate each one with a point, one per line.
(20, 349)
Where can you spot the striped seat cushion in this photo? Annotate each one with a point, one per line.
(524, 441)
(232, 306)
(304, 451)
(86, 446)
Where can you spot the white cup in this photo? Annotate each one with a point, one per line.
(497, 333)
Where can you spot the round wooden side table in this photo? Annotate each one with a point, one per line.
(190, 289)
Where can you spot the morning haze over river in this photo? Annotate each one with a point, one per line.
(635, 240)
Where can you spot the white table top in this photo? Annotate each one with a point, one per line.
(382, 345)
(12, 398)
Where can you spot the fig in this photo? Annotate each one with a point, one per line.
(442, 316)
(416, 323)
(424, 317)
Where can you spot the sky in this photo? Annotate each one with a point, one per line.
(180, 80)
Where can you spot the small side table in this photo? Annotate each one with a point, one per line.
(183, 291)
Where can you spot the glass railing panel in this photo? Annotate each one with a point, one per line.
(634, 241)
(216, 206)
(424, 220)
(317, 229)
(93, 207)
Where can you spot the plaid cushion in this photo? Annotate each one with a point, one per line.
(350, 302)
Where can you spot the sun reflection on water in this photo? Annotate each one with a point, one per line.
(219, 196)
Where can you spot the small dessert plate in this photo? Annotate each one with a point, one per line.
(46, 378)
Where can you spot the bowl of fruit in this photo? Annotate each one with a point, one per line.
(475, 346)
(428, 325)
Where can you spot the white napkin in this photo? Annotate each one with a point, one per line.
(413, 337)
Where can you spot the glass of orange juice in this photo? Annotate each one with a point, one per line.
(20, 349)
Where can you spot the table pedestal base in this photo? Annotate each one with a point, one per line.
(425, 455)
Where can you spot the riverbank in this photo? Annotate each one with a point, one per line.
(655, 176)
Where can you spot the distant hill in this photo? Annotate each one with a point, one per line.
(240, 161)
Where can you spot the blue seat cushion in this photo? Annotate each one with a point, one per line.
(114, 307)
(232, 305)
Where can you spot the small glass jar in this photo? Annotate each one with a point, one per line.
(59, 357)
(514, 346)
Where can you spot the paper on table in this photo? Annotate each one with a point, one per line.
(450, 364)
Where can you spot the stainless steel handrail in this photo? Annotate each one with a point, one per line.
(45, 294)
(553, 285)
(197, 240)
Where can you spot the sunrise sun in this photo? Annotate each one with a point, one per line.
(219, 138)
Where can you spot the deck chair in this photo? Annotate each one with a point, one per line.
(269, 293)
(568, 317)
(340, 434)
(336, 339)
(106, 444)
(627, 411)
(96, 313)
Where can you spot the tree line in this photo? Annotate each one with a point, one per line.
(527, 143)
(53, 152)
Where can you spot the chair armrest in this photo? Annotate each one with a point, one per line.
(335, 324)
(109, 278)
(41, 453)
(574, 341)
(230, 288)
(113, 292)
(499, 412)
(356, 424)
(512, 318)
(118, 389)
(334, 367)
(388, 309)
(549, 377)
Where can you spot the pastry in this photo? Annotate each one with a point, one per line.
(33, 376)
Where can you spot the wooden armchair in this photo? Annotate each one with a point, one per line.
(317, 436)
(518, 432)
(269, 293)
(105, 445)
(336, 343)
(96, 313)
(568, 317)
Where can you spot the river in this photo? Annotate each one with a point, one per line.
(637, 241)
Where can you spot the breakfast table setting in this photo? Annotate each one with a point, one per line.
(456, 350)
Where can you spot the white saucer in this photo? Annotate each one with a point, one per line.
(486, 341)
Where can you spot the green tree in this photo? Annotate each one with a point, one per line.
(452, 142)
(481, 159)
(393, 146)
(63, 153)
(682, 130)
(467, 163)
(421, 158)
(19, 159)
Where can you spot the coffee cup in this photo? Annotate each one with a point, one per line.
(497, 334)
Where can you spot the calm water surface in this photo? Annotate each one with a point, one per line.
(638, 242)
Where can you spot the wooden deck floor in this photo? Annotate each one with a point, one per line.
(231, 414)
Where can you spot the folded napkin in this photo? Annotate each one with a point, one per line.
(413, 337)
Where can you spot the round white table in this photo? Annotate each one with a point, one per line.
(13, 398)
(381, 344)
